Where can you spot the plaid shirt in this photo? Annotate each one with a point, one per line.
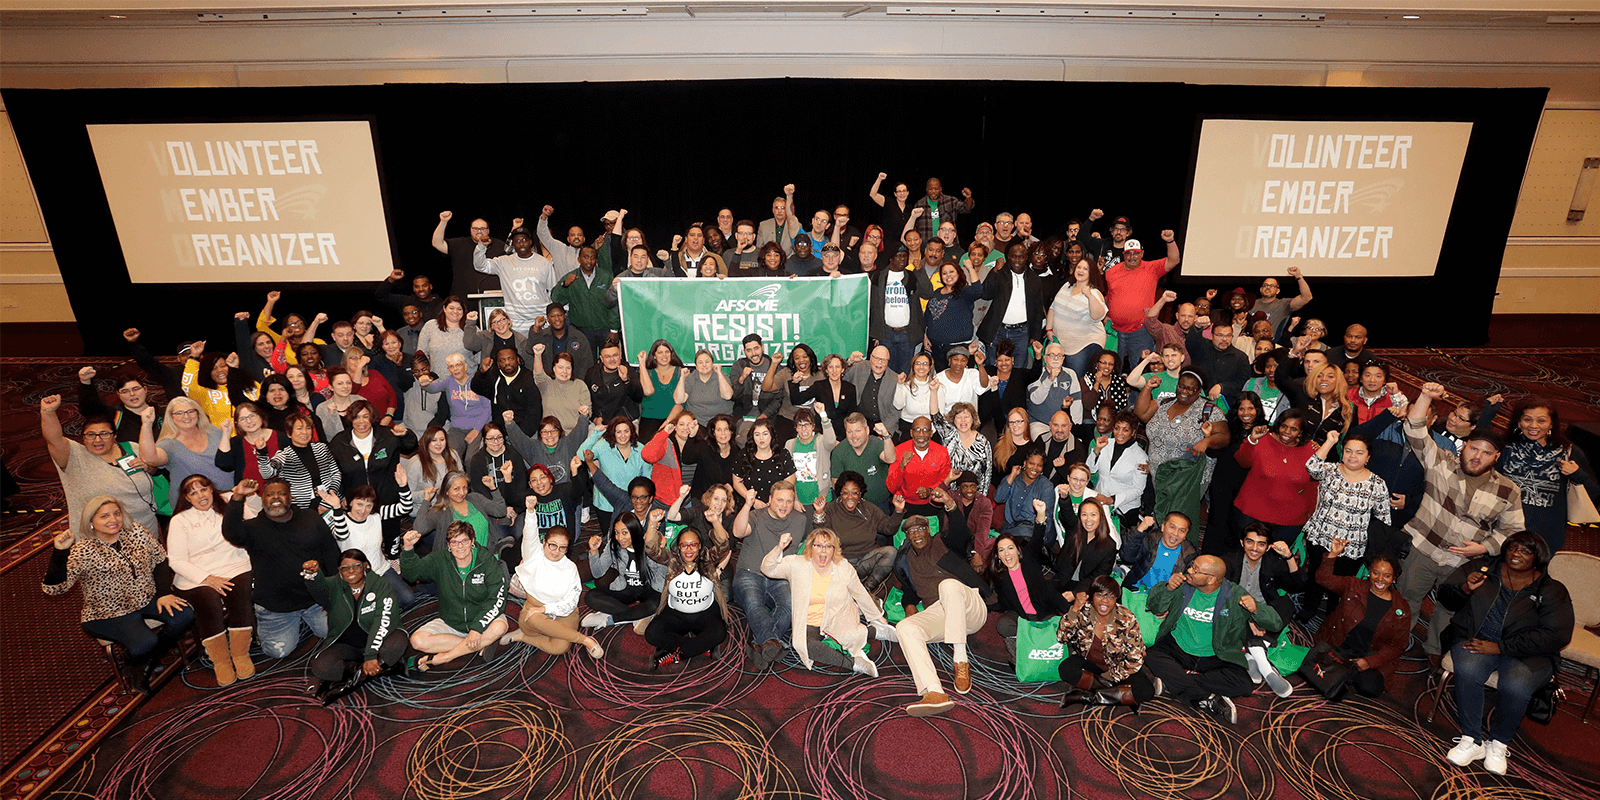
(1449, 515)
(949, 209)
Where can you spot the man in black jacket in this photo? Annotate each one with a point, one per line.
(1225, 367)
(280, 541)
(1016, 311)
(895, 315)
(1270, 572)
(509, 387)
(938, 568)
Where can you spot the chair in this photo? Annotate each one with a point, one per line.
(1580, 573)
(116, 654)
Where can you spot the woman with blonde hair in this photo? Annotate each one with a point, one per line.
(1331, 409)
(826, 595)
(126, 580)
(187, 445)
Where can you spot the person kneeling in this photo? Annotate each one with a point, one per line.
(472, 597)
(1198, 654)
(826, 600)
(551, 585)
(1107, 650)
(364, 639)
(692, 616)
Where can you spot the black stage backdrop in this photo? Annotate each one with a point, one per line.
(676, 152)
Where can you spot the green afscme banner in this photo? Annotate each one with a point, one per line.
(715, 314)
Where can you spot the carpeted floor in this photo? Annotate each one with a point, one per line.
(529, 725)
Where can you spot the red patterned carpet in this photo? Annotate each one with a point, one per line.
(529, 725)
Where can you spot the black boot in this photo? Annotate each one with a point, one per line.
(136, 674)
(1075, 697)
(1114, 696)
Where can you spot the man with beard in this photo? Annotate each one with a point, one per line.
(1467, 511)
(584, 293)
(465, 280)
(526, 278)
(783, 226)
(935, 207)
(422, 295)
(280, 541)
(563, 254)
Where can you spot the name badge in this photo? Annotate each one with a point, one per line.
(477, 580)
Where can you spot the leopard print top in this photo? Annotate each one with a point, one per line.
(116, 580)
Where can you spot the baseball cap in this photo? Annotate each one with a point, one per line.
(1132, 245)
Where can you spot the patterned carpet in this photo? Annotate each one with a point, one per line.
(530, 725)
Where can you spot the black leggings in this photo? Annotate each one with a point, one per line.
(1072, 669)
(215, 612)
(338, 661)
(130, 630)
(624, 605)
(671, 630)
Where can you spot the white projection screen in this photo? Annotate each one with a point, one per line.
(245, 202)
(1337, 199)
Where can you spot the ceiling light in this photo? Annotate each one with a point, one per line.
(1410, 16)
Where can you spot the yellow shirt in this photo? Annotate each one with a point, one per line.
(819, 597)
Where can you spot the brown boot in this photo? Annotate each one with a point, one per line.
(963, 677)
(239, 649)
(221, 659)
(930, 704)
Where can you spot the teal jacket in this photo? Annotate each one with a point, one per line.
(1230, 622)
(470, 604)
(377, 613)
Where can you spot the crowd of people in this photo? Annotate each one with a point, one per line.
(1036, 427)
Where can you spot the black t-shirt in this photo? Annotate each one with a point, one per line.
(465, 280)
(1359, 640)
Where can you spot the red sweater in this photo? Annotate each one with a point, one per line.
(1278, 489)
(667, 472)
(927, 471)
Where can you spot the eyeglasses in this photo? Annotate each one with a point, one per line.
(189, 413)
(1016, 422)
(543, 431)
(555, 547)
(828, 547)
(99, 435)
(352, 567)
(494, 438)
(460, 543)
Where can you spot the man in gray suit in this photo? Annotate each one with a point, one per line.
(875, 383)
(783, 226)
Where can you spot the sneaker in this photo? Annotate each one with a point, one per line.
(885, 632)
(865, 666)
(963, 677)
(931, 703)
(666, 659)
(1161, 688)
(585, 519)
(1219, 708)
(1255, 672)
(757, 656)
(640, 625)
(1269, 674)
(773, 651)
(595, 619)
(1494, 756)
(1466, 751)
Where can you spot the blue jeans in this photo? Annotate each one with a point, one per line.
(280, 630)
(1082, 362)
(1517, 684)
(1018, 335)
(754, 593)
(900, 349)
(1131, 346)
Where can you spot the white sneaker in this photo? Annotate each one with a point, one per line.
(1466, 751)
(595, 619)
(1160, 687)
(1255, 673)
(585, 517)
(885, 632)
(1261, 666)
(865, 666)
(1494, 756)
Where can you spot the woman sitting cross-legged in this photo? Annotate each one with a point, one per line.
(364, 638)
(550, 585)
(472, 597)
(1107, 650)
(1372, 623)
(827, 601)
(692, 616)
(636, 591)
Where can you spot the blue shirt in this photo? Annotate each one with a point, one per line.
(1161, 568)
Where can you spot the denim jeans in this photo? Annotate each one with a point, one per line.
(755, 593)
(1517, 684)
(130, 630)
(1019, 336)
(900, 349)
(280, 631)
(1082, 362)
(1131, 345)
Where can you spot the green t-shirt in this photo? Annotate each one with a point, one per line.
(805, 472)
(479, 523)
(657, 405)
(1193, 631)
(869, 465)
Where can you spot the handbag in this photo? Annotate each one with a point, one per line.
(1039, 653)
(1580, 509)
(1542, 705)
(1329, 672)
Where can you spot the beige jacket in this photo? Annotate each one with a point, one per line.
(847, 600)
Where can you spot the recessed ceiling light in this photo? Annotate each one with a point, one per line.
(1410, 16)
(116, 16)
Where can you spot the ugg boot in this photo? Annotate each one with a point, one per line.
(239, 647)
(221, 658)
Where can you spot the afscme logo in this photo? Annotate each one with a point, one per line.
(766, 292)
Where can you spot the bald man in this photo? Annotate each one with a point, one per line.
(1354, 348)
(875, 382)
(1206, 619)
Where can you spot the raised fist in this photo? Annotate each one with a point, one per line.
(131, 334)
(1169, 296)
(397, 275)
(883, 176)
(548, 210)
(410, 539)
(86, 375)
(1167, 236)
(784, 540)
(65, 540)
(444, 216)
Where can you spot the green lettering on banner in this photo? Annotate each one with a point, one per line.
(692, 314)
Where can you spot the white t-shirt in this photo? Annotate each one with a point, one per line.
(691, 593)
(1017, 309)
(965, 390)
(896, 301)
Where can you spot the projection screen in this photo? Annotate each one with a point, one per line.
(1337, 199)
(245, 202)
